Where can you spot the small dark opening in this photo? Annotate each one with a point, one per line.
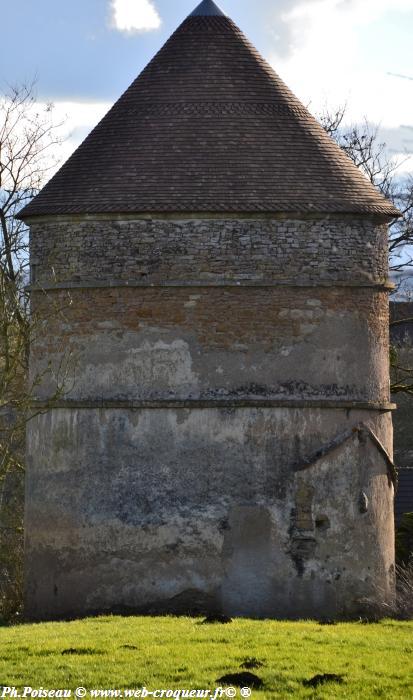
(322, 522)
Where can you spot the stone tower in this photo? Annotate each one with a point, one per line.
(216, 270)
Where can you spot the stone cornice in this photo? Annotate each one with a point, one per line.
(204, 216)
(47, 286)
(134, 404)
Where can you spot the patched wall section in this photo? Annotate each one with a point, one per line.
(176, 343)
(207, 510)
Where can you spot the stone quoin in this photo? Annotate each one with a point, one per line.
(209, 272)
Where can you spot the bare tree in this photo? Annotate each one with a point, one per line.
(362, 145)
(28, 138)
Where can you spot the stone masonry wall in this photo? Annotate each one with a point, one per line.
(206, 454)
(153, 251)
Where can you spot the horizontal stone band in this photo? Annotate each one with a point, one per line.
(46, 286)
(213, 403)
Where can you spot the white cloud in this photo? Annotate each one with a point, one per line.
(343, 52)
(77, 120)
(329, 62)
(135, 15)
(69, 123)
(72, 122)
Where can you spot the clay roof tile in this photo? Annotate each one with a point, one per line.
(208, 126)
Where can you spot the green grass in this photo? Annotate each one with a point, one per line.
(376, 660)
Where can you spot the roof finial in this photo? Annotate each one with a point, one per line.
(207, 8)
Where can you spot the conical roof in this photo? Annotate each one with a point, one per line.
(208, 126)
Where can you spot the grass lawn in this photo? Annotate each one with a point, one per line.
(375, 660)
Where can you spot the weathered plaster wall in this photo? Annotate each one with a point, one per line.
(208, 362)
(204, 510)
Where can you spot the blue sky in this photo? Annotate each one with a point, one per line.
(86, 52)
(77, 52)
